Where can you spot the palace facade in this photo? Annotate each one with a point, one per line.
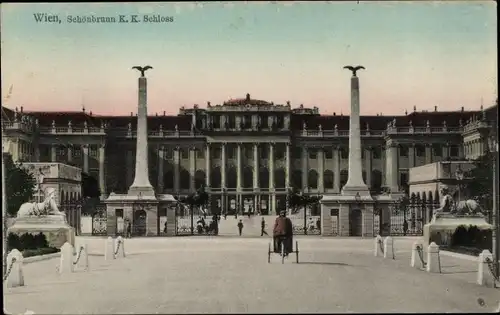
(246, 152)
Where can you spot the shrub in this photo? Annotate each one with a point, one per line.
(472, 237)
(40, 251)
(13, 241)
(26, 241)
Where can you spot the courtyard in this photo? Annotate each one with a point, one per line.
(232, 275)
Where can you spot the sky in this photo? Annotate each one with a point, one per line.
(421, 54)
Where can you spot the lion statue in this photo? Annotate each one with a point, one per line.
(47, 207)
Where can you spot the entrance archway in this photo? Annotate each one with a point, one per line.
(140, 223)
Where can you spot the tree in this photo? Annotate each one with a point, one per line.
(90, 186)
(479, 185)
(297, 200)
(19, 185)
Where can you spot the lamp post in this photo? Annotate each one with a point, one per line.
(459, 176)
(493, 144)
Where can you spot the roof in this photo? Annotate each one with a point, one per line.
(245, 101)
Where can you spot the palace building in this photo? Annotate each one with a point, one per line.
(246, 152)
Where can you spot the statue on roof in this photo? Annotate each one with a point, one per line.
(142, 69)
(53, 123)
(304, 126)
(129, 127)
(85, 125)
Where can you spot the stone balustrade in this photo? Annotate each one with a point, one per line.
(72, 130)
(18, 125)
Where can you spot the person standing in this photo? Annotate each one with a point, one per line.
(129, 230)
(262, 227)
(240, 227)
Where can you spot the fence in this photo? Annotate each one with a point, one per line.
(73, 210)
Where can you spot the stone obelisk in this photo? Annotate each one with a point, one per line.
(141, 184)
(355, 183)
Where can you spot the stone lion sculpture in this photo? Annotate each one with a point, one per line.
(468, 207)
(446, 204)
(47, 207)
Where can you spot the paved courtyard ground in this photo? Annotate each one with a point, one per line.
(231, 275)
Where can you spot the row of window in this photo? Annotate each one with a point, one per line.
(245, 121)
(279, 179)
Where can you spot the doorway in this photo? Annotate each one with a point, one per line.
(355, 222)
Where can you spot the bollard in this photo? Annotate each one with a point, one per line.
(378, 249)
(484, 273)
(109, 248)
(433, 261)
(389, 248)
(417, 255)
(14, 274)
(82, 257)
(66, 260)
(120, 247)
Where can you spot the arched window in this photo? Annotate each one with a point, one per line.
(215, 178)
(247, 177)
(199, 179)
(185, 179)
(328, 179)
(264, 178)
(312, 179)
(168, 180)
(376, 180)
(279, 178)
(297, 179)
(231, 177)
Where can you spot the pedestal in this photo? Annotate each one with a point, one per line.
(55, 228)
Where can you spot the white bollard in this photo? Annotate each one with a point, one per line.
(109, 248)
(484, 275)
(378, 249)
(14, 274)
(120, 247)
(433, 260)
(417, 255)
(389, 248)
(82, 257)
(66, 260)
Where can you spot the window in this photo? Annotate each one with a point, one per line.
(437, 150)
(420, 150)
(200, 154)
(264, 151)
(216, 153)
(184, 153)
(169, 152)
(454, 151)
(230, 152)
(279, 153)
(248, 151)
(377, 153)
(344, 154)
(328, 154)
(231, 122)
(313, 153)
(216, 121)
(328, 179)
(280, 122)
(403, 151)
(246, 121)
(119, 213)
(264, 121)
(403, 179)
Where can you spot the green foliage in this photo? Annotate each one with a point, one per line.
(19, 185)
(297, 200)
(472, 237)
(198, 199)
(90, 186)
(480, 185)
(26, 241)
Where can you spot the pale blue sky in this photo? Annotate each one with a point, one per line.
(418, 53)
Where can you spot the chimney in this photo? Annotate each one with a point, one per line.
(156, 114)
(334, 114)
(414, 108)
(435, 108)
(90, 113)
(462, 109)
(163, 113)
(21, 109)
(131, 114)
